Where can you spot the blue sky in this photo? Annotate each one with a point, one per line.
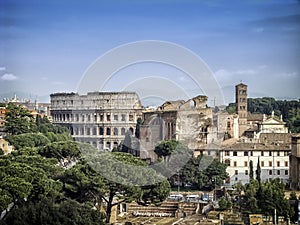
(46, 46)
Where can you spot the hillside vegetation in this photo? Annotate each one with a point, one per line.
(290, 110)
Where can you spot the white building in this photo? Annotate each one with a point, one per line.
(272, 151)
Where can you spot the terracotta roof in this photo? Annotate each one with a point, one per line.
(257, 146)
(275, 138)
(255, 116)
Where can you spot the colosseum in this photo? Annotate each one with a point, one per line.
(99, 118)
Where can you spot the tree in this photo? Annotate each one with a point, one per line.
(201, 171)
(18, 120)
(28, 140)
(50, 212)
(293, 196)
(222, 203)
(251, 176)
(258, 171)
(29, 177)
(67, 152)
(116, 177)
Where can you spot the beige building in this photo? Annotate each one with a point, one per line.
(99, 118)
(295, 163)
(190, 122)
(5, 146)
(272, 150)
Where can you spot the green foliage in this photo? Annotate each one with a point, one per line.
(251, 173)
(290, 110)
(293, 196)
(114, 176)
(258, 171)
(265, 197)
(201, 171)
(166, 148)
(231, 108)
(22, 176)
(18, 120)
(28, 140)
(61, 150)
(50, 212)
(44, 126)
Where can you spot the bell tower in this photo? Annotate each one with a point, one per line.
(241, 106)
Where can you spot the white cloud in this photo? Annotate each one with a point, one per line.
(57, 83)
(2, 68)
(258, 29)
(292, 74)
(9, 77)
(222, 73)
(245, 72)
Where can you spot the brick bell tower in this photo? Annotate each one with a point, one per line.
(241, 106)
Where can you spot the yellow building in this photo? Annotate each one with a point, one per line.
(5, 146)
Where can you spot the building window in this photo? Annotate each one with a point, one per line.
(286, 163)
(101, 117)
(246, 172)
(286, 172)
(251, 153)
(116, 131)
(278, 172)
(262, 153)
(262, 163)
(108, 117)
(115, 144)
(208, 152)
(227, 162)
(82, 118)
(89, 117)
(234, 163)
(270, 163)
(246, 153)
(94, 131)
(236, 172)
(123, 131)
(236, 179)
(270, 172)
(108, 131)
(88, 131)
(116, 118)
(227, 153)
(228, 124)
(108, 145)
(123, 117)
(130, 117)
(278, 153)
(286, 153)
(101, 131)
(278, 163)
(131, 130)
(100, 144)
(270, 153)
(245, 163)
(235, 153)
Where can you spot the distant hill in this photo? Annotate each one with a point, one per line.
(289, 109)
